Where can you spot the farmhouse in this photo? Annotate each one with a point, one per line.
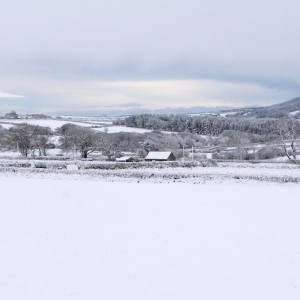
(125, 159)
(160, 156)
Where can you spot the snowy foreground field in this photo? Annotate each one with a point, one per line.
(67, 237)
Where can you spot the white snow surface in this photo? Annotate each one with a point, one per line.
(62, 238)
(227, 114)
(123, 158)
(114, 129)
(158, 155)
(224, 172)
(12, 154)
(53, 124)
(294, 112)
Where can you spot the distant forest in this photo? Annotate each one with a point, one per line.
(204, 125)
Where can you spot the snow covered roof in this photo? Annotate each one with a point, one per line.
(158, 155)
(123, 158)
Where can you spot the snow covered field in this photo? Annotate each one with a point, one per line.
(53, 124)
(114, 129)
(66, 237)
(187, 172)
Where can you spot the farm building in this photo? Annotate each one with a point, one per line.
(125, 159)
(160, 156)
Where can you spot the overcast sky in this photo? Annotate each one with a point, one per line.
(97, 56)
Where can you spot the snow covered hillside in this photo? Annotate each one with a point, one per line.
(53, 124)
(79, 239)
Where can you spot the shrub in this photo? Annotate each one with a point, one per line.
(269, 152)
(215, 155)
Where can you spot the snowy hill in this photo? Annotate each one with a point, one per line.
(282, 110)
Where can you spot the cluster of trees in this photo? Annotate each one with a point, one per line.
(14, 115)
(27, 139)
(280, 137)
(204, 125)
(285, 132)
(11, 115)
(36, 140)
(234, 144)
(112, 145)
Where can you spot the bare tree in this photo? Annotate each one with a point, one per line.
(19, 138)
(27, 138)
(2, 137)
(141, 153)
(285, 132)
(82, 138)
(239, 140)
(106, 146)
(41, 139)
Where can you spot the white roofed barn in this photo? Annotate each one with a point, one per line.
(160, 156)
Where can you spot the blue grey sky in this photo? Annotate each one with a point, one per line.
(98, 56)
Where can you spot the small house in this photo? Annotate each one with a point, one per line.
(125, 159)
(160, 156)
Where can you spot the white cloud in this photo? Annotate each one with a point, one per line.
(7, 95)
(154, 94)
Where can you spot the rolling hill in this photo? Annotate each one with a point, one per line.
(285, 109)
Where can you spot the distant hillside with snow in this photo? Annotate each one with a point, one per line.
(285, 109)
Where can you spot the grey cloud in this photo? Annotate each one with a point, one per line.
(248, 42)
(265, 74)
(130, 104)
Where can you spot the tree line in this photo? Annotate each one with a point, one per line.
(35, 140)
(203, 125)
(26, 139)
